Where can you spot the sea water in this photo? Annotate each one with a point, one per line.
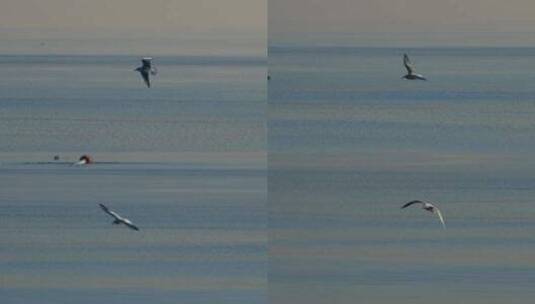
(184, 160)
(350, 142)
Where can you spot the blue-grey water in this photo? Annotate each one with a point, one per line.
(184, 160)
(350, 142)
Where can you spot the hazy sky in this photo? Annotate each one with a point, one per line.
(288, 17)
(188, 27)
(151, 15)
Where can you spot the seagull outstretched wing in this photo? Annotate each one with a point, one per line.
(408, 65)
(145, 76)
(441, 218)
(108, 211)
(131, 226)
(411, 203)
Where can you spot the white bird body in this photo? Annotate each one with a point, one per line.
(146, 70)
(80, 163)
(411, 74)
(428, 207)
(84, 160)
(119, 219)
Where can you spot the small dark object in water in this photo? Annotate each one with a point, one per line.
(56, 157)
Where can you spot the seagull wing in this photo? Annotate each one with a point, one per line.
(108, 211)
(411, 203)
(145, 76)
(104, 208)
(440, 217)
(131, 226)
(407, 64)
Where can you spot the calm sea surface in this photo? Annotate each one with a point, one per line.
(349, 142)
(184, 160)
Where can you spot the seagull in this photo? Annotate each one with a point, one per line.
(118, 218)
(410, 70)
(146, 69)
(428, 207)
(84, 160)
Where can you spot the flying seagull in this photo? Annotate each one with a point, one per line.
(427, 207)
(146, 70)
(118, 218)
(411, 75)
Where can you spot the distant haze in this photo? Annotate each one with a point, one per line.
(164, 15)
(297, 17)
(191, 27)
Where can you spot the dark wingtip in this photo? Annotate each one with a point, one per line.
(410, 203)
